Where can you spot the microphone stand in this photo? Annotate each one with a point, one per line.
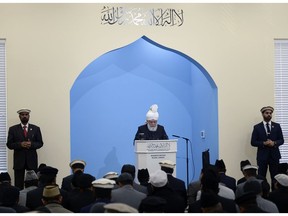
(187, 159)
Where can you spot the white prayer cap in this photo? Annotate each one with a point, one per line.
(158, 178)
(77, 164)
(167, 163)
(111, 175)
(250, 167)
(30, 175)
(104, 183)
(152, 114)
(282, 179)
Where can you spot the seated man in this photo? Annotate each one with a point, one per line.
(126, 193)
(210, 183)
(30, 183)
(176, 184)
(228, 181)
(129, 168)
(160, 188)
(75, 165)
(52, 199)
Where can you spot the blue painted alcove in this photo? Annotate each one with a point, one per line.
(111, 96)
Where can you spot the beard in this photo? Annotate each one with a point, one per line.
(24, 121)
(267, 118)
(152, 128)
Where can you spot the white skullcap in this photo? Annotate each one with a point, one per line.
(158, 178)
(167, 163)
(104, 183)
(78, 162)
(111, 175)
(30, 175)
(282, 179)
(250, 167)
(152, 114)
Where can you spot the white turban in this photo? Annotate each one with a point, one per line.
(152, 114)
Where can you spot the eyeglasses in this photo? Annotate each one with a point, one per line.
(268, 113)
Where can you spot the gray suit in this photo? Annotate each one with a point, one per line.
(140, 188)
(23, 195)
(57, 208)
(127, 195)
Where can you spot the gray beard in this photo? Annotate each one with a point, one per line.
(152, 128)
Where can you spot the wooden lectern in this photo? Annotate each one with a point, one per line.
(150, 152)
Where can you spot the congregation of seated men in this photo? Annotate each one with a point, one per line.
(157, 192)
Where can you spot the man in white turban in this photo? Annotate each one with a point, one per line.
(151, 130)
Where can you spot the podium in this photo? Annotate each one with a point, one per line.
(150, 152)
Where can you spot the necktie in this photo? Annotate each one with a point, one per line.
(268, 129)
(25, 130)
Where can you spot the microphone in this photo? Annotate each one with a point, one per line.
(141, 136)
(180, 137)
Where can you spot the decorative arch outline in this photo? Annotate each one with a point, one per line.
(110, 98)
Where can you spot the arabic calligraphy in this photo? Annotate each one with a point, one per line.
(158, 147)
(140, 16)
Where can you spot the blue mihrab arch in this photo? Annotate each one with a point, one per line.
(111, 96)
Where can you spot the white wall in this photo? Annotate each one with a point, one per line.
(48, 45)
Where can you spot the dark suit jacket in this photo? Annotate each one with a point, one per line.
(66, 183)
(159, 134)
(259, 136)
(178, 186)
(79, 199)
(174, 202)
(280, 197)
(15, 137)
(229, 181)
(228, 205)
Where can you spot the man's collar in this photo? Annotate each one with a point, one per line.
(22, 125)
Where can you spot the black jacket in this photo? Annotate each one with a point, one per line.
(22, 155)
(143, 133)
